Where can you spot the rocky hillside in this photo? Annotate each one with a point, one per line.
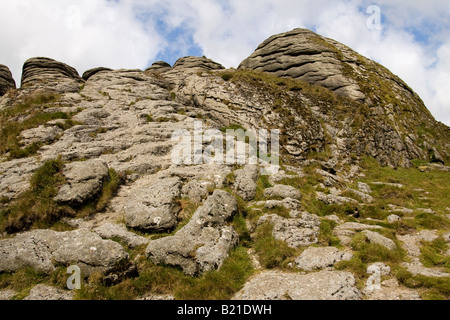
(87, 179)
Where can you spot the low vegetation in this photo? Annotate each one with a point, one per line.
(29, 114)
(35, 208)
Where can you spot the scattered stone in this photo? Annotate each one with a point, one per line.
(43, 292)
(281, 175)
(6, 294)
(296, 232)
(329, 178)
(152, 204)
(44, 134)
(391, 290)
(288, 203)
(446, 237)
(396, 185)
(346, 231)
(109, 231)
(334, 218)
(6, 80)
(204, 243)
(84, 181)
(393, 218)
(319, 258)
(412, 242)
(245, 184)
(416, 268)
(364, 196)
(333, 199)
(426, 210)
(400, 209)
(324, 285)
(374, 237)
(283, 191)
(379, 268)
(197, 190)
(364, 187)
(43, 250)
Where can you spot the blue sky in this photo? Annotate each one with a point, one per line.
(413, 42)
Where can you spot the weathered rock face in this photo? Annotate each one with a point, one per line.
(324, 285)
(84, 181)
(245, 184)
(378, 94)
(159, 67)
(6, 80)
(203, 244)
(319, 258)
(304, 55)
(89, 73)
(283, 191)
(197, 63)
(46, 73)
(296, 232)
(43, 250)
(42, 292)
(152, 205)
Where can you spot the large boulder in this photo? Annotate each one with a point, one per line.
(302, 54)
(111, 231)
(197, 63)
(46, 73)
(42, 292)
(283, 191)
(159, 67)
(245, 184)
(89, 73)
(84, 180)
(6, 80)
(152, 204)
(45, 250)
(321, 257)
(204, 243)
(296, 232)
(324, 285)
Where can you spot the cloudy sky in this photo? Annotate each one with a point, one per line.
(410, 37)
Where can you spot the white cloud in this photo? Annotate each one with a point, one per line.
(83, 34)
(414, 42)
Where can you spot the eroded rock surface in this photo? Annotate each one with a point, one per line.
(6, 80)
(204, 243)
(324, 285)
(43, 250)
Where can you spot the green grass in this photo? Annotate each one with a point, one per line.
(24, 280)
(213, 285)
(32, 115)
(326, 237)
(433, 254)
(272, 253)
(35, 208)
(430, 288)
